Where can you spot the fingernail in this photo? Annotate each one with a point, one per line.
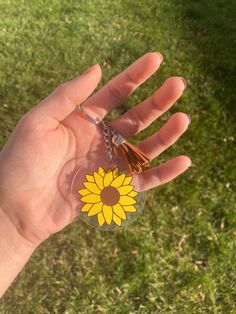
(160, 57)
(190, 163)
(189, 117)
(184, 81)
(89, 70)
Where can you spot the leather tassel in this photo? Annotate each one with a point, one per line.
(136, 159)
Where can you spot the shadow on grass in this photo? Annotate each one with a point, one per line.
(213, 27)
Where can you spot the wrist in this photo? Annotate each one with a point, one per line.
(12, 236)
(15, 251)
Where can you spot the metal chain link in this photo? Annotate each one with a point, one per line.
(108, 132)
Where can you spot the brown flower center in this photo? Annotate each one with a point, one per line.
(110, 196)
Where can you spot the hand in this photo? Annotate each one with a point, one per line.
(53, 133)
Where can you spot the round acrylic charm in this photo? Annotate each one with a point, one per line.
(105, 195)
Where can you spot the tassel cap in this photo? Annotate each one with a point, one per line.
(117, 140)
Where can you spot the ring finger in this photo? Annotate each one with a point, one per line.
(166, 136)
(164, 173)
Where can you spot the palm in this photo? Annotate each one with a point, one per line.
(86, 140)
(73, 140)
(56, 135)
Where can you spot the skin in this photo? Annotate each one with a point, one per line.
(53, 132)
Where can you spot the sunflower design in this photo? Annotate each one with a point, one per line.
(109, 195)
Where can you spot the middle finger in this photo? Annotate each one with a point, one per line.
(142, 115)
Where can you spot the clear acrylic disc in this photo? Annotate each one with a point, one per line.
(104, 194)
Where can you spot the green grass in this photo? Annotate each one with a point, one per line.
(179, 256)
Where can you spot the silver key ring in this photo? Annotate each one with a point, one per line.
(86, 115)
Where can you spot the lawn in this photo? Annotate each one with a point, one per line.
(180, 255)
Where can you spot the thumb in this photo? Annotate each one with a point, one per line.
(67, 96)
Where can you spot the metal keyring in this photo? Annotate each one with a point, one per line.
(87, 116)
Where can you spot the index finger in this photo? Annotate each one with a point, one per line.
(121, 86)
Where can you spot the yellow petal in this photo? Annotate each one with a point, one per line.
(101, 171)
(130, 209)
(107, 213)
(124, 190)
(84, 192)
(126, 200)
(95, 209)
(89, 178)
(86, 207)
(92, 187)
(91, 198)
(133, 193)
(127, 180)
(101, 219)
(99, 180)
(108, 178)
(116, 220)
(117, 182)
(115, 172)
(119, 211)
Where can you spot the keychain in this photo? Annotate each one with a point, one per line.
(107, 190)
